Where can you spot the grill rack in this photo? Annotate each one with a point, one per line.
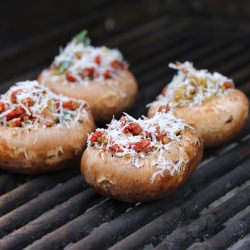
(59, 210)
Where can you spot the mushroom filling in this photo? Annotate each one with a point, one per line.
(191, 86)
(133, 139)
(80, 62)
(28, 104)
(129, 137)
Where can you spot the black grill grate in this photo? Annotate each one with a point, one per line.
(58, 210)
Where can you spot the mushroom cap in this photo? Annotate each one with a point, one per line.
(217, 120)
(106, 98)
(121, 179)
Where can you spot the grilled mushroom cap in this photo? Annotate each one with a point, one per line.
(140, 165)
(107, 98)
(217, 120)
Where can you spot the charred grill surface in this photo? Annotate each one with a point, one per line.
(59, 210)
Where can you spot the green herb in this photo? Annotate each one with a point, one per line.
(56, 119)
(82, 37)
(62, 67)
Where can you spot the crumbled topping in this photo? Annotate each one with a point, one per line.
(80, 62)
(28, 104)
(133, 139)
(191, 86)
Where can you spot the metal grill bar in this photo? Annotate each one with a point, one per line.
(33, 208)
(50, 220)
(31, 189)
(8, 182)
(208, 223)
(166, 223)
(228, 236)
(106, 234)
(245, 246)
(81, 226)
(203, 175)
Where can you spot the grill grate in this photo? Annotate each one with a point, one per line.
(58, 210)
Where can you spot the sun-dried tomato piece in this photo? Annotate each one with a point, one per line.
(148, 135)
(163, 138)
(28, 102)
(15, 123)
(18, 112)
(98, 59)
(115, 64)
(70, 77)
(2, 107)
(115, 149)
(228, 85)
(71, 105)
(142, 146)
(107, 75)
(13, 96)
(89, 72)
(96, 136)
(133, 128)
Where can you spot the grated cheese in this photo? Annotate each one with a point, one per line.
(42, 108)
(79, 57)
(162, 123)
(192, 87)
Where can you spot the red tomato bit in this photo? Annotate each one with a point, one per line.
(28, 102)
(2, 107)
(18, 112)
(115, 149)
(89, 72)
(228, 85)
(16, 123)
(13, 96)
(71, 105)
(133, 128)
(115, 64)
(70, 77)
(148, 135)
(142, 146)
(98, 59)
(107, 74)
(96, 136)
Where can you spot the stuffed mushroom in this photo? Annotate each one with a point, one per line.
(207, 101)
(40, 131)
(144, 159)
(98, 75)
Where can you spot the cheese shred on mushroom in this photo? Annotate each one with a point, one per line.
(134, 139)
(79, 62)
(28, 104)
(192, 87)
